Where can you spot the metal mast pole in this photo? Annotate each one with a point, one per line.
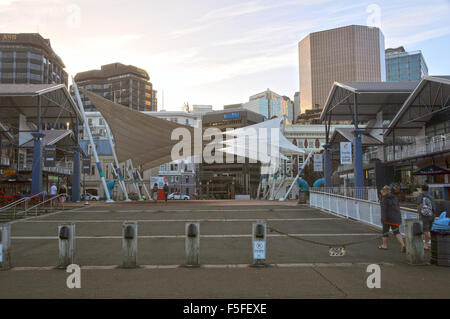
(132, 176)
(119, 172)
(296, 177)
(143, 183)
(91, 140)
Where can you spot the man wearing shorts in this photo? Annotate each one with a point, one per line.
(427, 220)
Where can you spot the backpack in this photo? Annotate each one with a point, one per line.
(427, 207)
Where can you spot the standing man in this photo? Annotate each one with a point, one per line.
(53, 190)
(166, 191)
(426, 208)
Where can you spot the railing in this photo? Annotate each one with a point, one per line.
(421, 147)
(23, 200)
(367, 193)
(21, 207)
(51, 203)
(362, 210)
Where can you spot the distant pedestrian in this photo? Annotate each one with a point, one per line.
(155, 192)
(426, 208)
(391, 217)
(166, 192)
(62, 193)
(53, 190)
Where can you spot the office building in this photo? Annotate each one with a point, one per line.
(297, 108)
(123, 84)
(28, 58)
(405, 66)
(201, 109)
(350, 53)
(271, 104)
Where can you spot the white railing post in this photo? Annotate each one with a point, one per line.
(346, 207)
(357, 210)
(370, 213)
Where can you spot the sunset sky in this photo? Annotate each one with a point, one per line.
(219, 52)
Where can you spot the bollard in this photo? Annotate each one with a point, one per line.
(259, 235)
(5, 246)
(66, 243)
(414, 241)
(130, 244)
(192, 244)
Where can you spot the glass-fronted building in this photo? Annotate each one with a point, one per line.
(28, 58)
(270, 104)
(123, 84)
(405, 66)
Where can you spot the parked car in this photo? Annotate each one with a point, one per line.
(90, 197)
(178, 196)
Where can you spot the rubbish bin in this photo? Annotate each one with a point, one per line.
(440, 247)
(301, 197)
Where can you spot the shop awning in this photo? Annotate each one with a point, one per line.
(429, 100)
(372, 97)
(348, 135)
(432, 170)
(51, 137)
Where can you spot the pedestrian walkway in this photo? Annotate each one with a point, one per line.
(225, 254)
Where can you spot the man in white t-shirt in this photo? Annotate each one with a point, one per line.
(53, 190)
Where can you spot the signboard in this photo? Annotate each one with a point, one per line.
(337, 251)
(8, 172)
(259, 249)
(318, 163)
(158, 180)
(166, 180)
(1, 253)
(50, 156)
(232, 115)
(346, 153)
(86, 163)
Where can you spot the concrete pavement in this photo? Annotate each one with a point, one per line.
(299, 269)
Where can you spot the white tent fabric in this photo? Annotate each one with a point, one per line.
(146, 140)
(261, 133)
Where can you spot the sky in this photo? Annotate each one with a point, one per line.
(222, 51)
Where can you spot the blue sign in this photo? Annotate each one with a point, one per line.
(232, 115)
(259, 249)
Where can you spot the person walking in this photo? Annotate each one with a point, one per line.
(155, 192)
(426, 208)
(53, 190)
(166, 192)
(62, 193)
(391, 217)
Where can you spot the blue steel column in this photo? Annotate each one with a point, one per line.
(36, 175)
(76, 175)
(327, 164)
(358, 168)
(358, 158)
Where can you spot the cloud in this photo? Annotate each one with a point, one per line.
(404, 26)
(417, 37)
(220, 15)
(236, 10)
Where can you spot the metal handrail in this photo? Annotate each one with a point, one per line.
(358, 199)
(43, 202)
(19, 201)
